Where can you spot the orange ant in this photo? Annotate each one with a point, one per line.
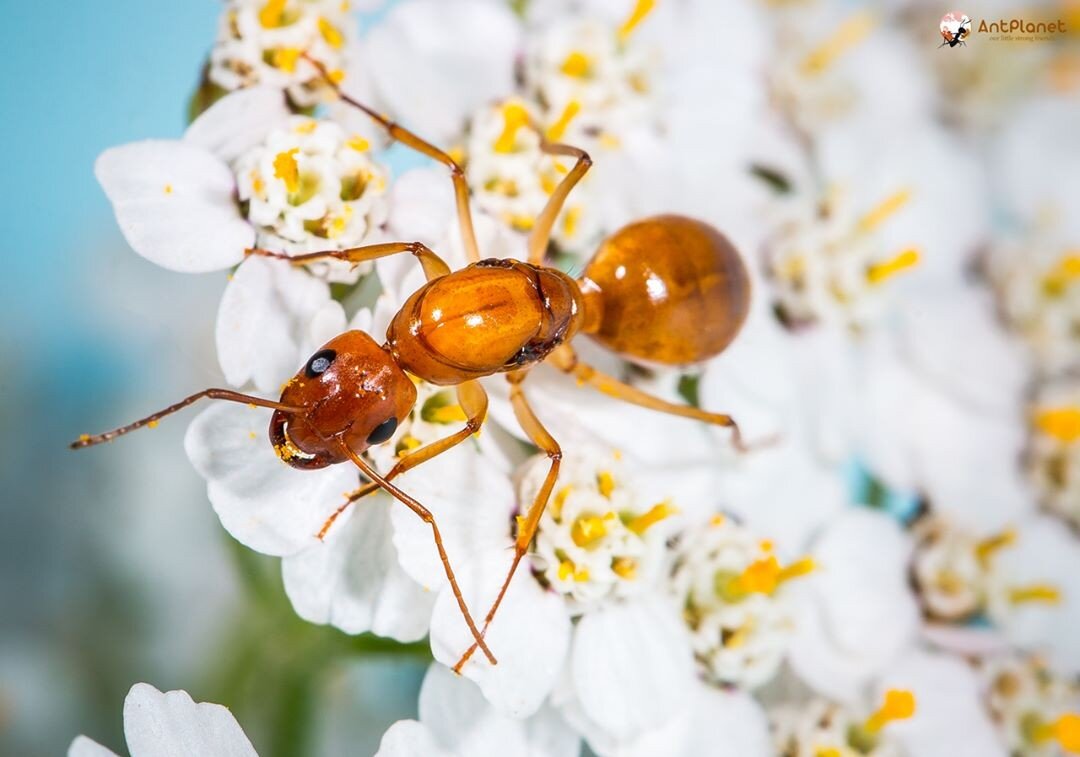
(667, 289)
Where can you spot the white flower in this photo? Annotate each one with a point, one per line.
(160, 724)
(1037, 712)
(822, 727)
(456, 721)
(1053, 454)
(265, 41)
(731, 586)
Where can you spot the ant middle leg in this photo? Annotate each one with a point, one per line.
(474, 402)
(545, 222)
(433, 265)
(427, 516)
(528, 524)
(409, 139)
(566, 360)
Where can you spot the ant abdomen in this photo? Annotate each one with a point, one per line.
(667, 289)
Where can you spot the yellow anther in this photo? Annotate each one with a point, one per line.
(1070, 265)
(358, 143)
(336, 225)
(656, 513)
(739, 637)
(407, 444)
(610, 141)
(306, 126)
(587, 530)
(829, 751)
(520, 222)
(336, 76)
(258, 186)
(991, 545)
(286, 169)
(1045, 593)
(548, 183)
(765, 545)
(899, 704)
(84, 437)
(801, 567)
(641, 9)
(576, 65)
(448, 414)
(581, 574)
(879, 272)
(1067, 732)
(285, 58)
(457, 154)
(252, 435)
(152, 424)
(605, 483)
(1061, 423)
(624, 567)
(884, 210)
(570, 220)
(717, 520)
(566, 569)
(331, 34)
(556, 131)
(559, 501)
(272, 14)
(760, 577)
(168, 189)
(514, 116)
(850, 33)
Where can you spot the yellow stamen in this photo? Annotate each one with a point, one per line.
(1065, 730)
(152, 424)
(548, 183)
(566, 569)
(610, 141)
(587, 530)
(457, 154)
(879, 272)
(286, 169)
(407, 444)
(656, 513)
(570, 220)
(1046, 593)
(358, 143)
(801, 567)
(624, 567)
(168, 189)
(830, 751)
(888, 207)
(989, 546)
(559, 501)
(739, 637)
(760, 577)
(331, 34)
(581, 574)
(84, 437)
(520, 222)
(556, 130)
(717, 520)
(853, 31)
(899, 704)
(337, 225)
(641, 9)
(514, 116)
(306, 127)
(576, 65)
(605, 483)
(285, 58)
(272, 14)
(765, 545)
(258, 186)
(448, 414)
(1061, 423)
(336, 76)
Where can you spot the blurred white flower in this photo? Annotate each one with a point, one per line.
(166, 724)
(821, 727)
(1053, 454)
(1036, 711)
(456, 721)
(266, 41)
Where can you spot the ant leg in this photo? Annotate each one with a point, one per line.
(433, 265)
(528, 524)
(151, 420)
(428, 518)
(541, 232)
(407, 138)
(565, 359)
(473, 400)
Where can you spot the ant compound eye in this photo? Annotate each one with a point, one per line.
(319, 362)
(383, 431)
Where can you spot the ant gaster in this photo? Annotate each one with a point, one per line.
(668, 290)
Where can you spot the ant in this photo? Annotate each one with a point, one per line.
(955, 37)
(669, 290)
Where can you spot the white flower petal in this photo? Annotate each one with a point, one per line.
(171, 724)
(949, 719)
(410, 738)
(175, 204)
(353, 581)
(84, 747)
(631, 666)
(462, 720)
(264, 503)
(238, 122)
(856, 612)
(263, 319)
(529, 636)
(467, 48)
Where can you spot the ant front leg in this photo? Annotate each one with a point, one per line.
(473, 400)
(528, 524)
(428, 518)
(433, 265)
(565, 359)
(545, 222)
(407, 138)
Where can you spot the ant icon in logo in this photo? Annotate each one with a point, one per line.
(954, 27)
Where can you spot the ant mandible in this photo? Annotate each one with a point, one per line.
(668, 290)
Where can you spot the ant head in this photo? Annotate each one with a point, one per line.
(352, 391)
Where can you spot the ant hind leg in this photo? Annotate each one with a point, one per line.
(433, 265)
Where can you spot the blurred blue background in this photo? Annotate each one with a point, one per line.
(103, 554)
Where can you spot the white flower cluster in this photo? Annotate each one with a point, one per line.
(891, 569)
